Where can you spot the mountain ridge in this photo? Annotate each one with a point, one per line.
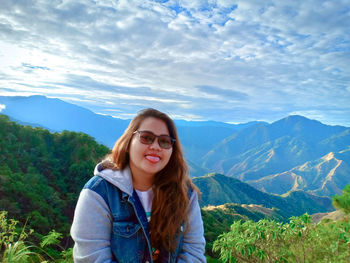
(315, 176)
(218, 189)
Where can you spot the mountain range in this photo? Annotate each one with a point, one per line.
(294, 153)
(324, 176)
(268, 155)
(218, 189)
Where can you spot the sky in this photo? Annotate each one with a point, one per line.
(230, 61)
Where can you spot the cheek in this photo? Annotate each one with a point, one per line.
(134, 149)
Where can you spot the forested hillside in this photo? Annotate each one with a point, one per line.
(42, 173)
(218, 189)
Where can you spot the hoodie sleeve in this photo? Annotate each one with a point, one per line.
(91, 229)
(193, 243)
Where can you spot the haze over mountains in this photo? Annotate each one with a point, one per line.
(294, 153)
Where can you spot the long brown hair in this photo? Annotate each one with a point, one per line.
(170, 185)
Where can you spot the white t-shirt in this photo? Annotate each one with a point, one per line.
(146, 198)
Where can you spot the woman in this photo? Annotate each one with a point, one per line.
(141, 205)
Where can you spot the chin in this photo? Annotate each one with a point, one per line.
(153, 170)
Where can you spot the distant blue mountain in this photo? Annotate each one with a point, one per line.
(215, 124)
(199, 137)
(57, 115)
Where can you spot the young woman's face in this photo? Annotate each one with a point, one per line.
(147, 160)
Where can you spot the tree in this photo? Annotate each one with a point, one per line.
(343, 201)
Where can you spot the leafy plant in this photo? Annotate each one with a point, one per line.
(343, 201)
(296, 241)
(15, 248)
(53, 238)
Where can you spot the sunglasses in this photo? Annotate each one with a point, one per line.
(147, 137)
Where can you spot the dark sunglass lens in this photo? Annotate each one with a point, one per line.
(147, 138)
(165, 142)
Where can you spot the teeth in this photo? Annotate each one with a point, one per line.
(152, 158)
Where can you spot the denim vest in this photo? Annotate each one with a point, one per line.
(130, 240)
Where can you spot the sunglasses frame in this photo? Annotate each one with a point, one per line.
(172, 140)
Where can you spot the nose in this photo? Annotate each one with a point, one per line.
(155, 145)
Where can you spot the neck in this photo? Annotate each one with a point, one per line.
(142, 182)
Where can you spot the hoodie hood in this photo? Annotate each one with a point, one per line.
(119, 178)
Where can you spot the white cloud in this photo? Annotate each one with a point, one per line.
(2, 107)
(278, 53)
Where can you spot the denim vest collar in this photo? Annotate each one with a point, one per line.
(119, 178)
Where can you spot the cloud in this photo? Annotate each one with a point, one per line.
(2, 107)
(34, 67)
(264, 59)
(224, 94)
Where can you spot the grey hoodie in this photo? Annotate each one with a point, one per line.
(92, 225)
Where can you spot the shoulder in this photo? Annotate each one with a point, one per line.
(94, 182)
(97, 184)
(103, 188)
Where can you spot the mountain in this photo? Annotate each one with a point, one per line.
(325, 176)
(197, 137)
(266, 149)
(198, 140)
(218, 189)
(57, 115)
(249, 152)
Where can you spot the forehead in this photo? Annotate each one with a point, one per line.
(157, 126)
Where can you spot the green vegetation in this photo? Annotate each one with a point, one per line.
(15, 246)
(343, 201)
(217, 219)
(299, 240)
(42, 173)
